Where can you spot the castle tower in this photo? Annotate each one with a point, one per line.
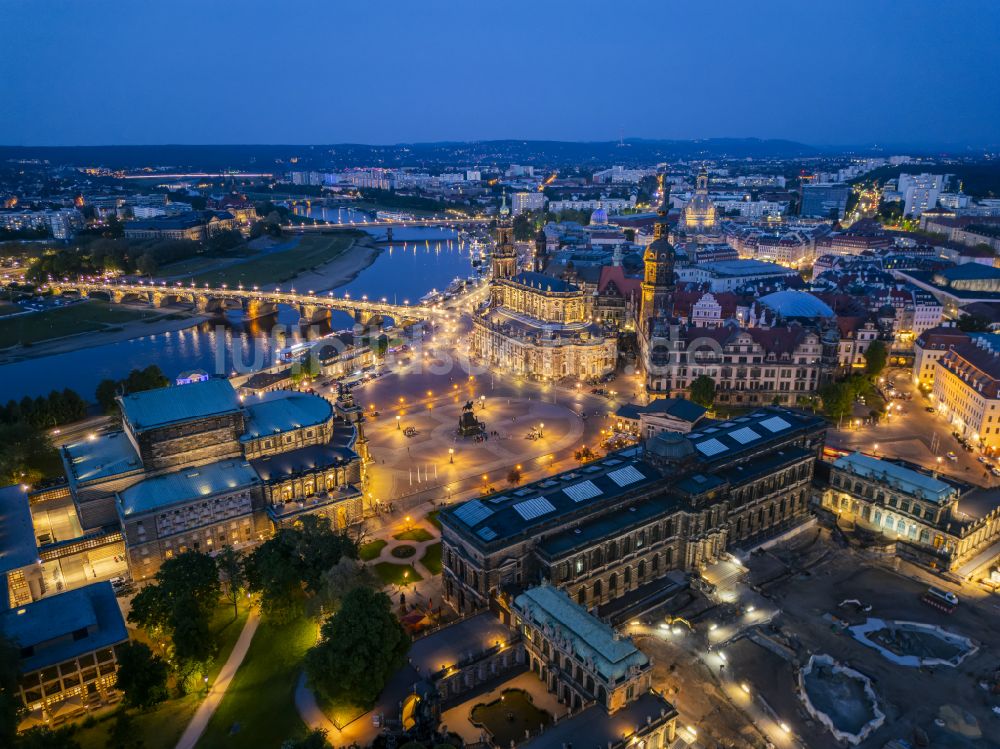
(658, 262)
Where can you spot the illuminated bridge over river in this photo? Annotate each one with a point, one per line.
(254, 302)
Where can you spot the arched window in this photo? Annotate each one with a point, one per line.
(581, 595)
(642, 569)
(597, 589)
(613, 582)
(628, 576)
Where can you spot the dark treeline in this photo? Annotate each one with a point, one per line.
(138, 380)
(46, 410)
(97, 256)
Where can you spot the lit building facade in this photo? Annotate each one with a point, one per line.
(935, 521)
(536, 325)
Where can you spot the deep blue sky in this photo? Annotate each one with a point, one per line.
(77, 72)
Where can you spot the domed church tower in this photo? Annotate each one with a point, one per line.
(658, 260)
(504, 254)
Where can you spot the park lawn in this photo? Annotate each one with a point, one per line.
(278, 267)
(371, 550)
(432, 559)
(83, 317)
(432, 518)
(414, 534)
(261, 697)
(394, 574)
(162, 727)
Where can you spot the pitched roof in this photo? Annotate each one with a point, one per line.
(592, 639)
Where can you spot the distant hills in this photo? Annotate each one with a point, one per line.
(267, 158)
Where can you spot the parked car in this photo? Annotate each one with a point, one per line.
(929, 409)
(951, 456)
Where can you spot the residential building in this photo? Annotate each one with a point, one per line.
(522, 202)
(967, 391)
(930, 346)
(920, 191)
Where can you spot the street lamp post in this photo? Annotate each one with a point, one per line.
(397, 423)
(451, 454)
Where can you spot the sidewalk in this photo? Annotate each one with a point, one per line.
(211, 702)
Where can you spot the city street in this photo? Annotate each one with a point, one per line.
(913, 434)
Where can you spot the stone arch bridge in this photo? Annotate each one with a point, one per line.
(313, 307)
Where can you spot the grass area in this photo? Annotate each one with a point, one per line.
(432, 559)
(510, 716)
(432, 518)
(259, 707)
(371, 550)
(162, 727)
(278, 267)
(404, 552)
(83, 317)
(414, 534)
(397, 574)
(340, 713)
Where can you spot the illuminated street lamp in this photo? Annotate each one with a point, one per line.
(397, 423)
(451, 454)
(540, 428)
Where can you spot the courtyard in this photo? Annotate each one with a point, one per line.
(750, 680)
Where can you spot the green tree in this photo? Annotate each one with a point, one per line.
(230, 564)
(26, 454)
(142, 676)
(345, 576)
(180, 603)
(360, 647)
(147, 265)
(837, 398)
(514, 476)
(702, 391)
(289, 567)
(875, 358)
(973, 324)
(105, 395)
(524, 227)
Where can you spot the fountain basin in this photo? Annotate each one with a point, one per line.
(840, 698)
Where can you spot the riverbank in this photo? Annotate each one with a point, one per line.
(170, 320)
(341, 270)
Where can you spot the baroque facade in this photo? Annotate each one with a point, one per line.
(535, 325)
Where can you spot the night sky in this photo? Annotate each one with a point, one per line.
(76, 72)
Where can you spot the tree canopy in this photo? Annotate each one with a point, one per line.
(142, 676)
(360, 647)
(875, 358)
(288, 567)
(702, 391)
(180, 603)
(150, 378)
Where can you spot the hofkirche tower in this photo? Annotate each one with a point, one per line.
(658, 262)
(504, 254)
